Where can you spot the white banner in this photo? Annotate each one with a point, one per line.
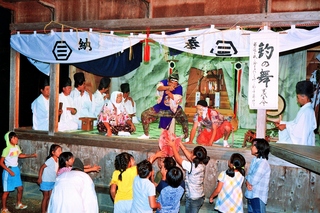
(263, 70)
(70, 47)
(73, 47)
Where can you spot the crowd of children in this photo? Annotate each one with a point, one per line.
(135, 189)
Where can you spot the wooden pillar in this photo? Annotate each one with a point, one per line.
(261, 123)
(54, 98)
(14, 89)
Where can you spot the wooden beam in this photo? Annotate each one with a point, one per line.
(54, 98)
(157, 24)
(14, 89)
(14, 1)
(305, 156)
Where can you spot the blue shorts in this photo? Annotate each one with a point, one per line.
(46, 186)
(10, 183)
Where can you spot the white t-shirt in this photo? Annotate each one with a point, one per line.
(142, 189)
(50, 172)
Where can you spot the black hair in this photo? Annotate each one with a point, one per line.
(144, 168)
(201, 156)
(104, 83)
(174, 177)
(121, 163)
(202, 103)
(66, 82)
(46, 82)
(53, 148)
(305, 88)
(12, 135)
(79, 79)
(169, 162)
(125, 88)
(262, 146)
(63, 158)
(238, 162)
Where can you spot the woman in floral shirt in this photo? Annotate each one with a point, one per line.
(211, 126)
(113, 118)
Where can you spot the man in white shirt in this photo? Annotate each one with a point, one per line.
(74, 191)
(101, 96)
(66, 121)
(128, 102)
(82, 99)
(40, 108)
(300, 130)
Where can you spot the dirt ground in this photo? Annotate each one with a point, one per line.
(34, 205)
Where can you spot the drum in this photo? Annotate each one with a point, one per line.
(281, 107)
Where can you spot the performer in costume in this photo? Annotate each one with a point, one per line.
(211, 126)
(170, 96)
(300, 130)
(67, 122)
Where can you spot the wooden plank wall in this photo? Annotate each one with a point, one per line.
(80, 10)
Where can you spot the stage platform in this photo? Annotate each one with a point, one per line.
(236, 138)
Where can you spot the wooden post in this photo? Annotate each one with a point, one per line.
(14, 89)
(54, 98)
(261, 123)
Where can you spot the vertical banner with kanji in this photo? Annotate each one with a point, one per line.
(264, 70)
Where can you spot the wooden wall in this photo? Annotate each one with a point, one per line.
(80, 10)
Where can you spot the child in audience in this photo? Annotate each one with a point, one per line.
(122, 181)
(195, 167)
(66, 161)
(170, 195)
(11, 177)
(229, 186)
(47, 175)
(144, 191)
(164, 165)
(257, 180)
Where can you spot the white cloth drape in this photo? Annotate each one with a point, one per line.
(72, 47)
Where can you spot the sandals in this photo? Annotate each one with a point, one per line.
(5, 211)
(21, 206)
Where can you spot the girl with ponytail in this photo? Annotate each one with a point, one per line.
(195, 168)
(122, 181)
(228, 189)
